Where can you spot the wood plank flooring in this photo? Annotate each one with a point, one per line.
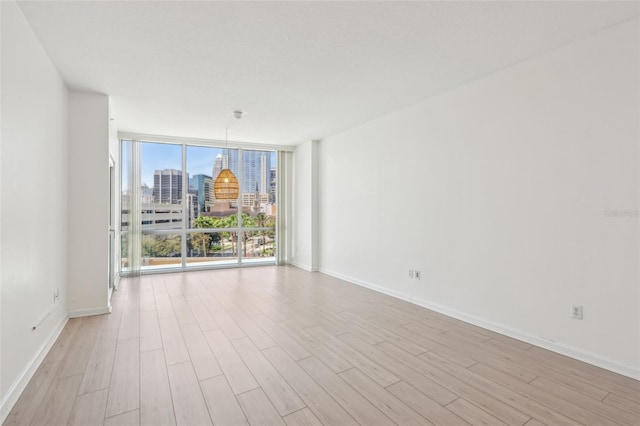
(280, 346)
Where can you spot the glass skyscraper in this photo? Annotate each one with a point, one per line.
(256, 169)
(202, 185)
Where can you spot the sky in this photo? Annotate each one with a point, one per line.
(160, 156)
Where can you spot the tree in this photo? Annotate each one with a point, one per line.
(205, 222)
(161, 245)
(202, 239)
(247, 222)
(261, 219)
(228, 222)
(231, 221)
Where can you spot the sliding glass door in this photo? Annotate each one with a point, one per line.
(171, 219)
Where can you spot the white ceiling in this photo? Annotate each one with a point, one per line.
(300, 70)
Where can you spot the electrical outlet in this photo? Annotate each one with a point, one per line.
(418, 275)
(576, 312)
(410, 273)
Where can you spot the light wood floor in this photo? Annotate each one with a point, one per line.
(277, 345)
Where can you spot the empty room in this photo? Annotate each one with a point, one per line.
(320, 213)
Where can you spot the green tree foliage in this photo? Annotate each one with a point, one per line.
(161, 245)
(231, 221)
(204, 240)
(205, 222)
(261, 219)
(169, 245)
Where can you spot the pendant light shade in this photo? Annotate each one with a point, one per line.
(226, 186)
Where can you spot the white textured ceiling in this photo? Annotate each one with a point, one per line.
(300, 70)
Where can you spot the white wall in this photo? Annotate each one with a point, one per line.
(305, 207)
(34, 194)
(88, 203)
(498, 192)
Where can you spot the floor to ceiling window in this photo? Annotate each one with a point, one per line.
(171, 219)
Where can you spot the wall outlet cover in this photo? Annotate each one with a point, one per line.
(576, 312)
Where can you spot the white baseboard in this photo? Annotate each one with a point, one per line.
(379, 289)
(25, 376)
(91, 311)
(303, 266)
(557, 347)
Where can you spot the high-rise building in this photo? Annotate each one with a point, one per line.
(272, 185)
(202, 185)
(231, 161)
(194, 208)
(256, 167)
(219, 164)
(167, 186)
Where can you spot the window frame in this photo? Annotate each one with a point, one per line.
(184, 231)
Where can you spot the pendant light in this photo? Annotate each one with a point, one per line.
(226, 186)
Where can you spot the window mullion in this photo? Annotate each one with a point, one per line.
(240, 233)
(185, 207)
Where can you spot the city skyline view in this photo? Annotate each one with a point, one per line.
(188, 225)
(161, 156)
